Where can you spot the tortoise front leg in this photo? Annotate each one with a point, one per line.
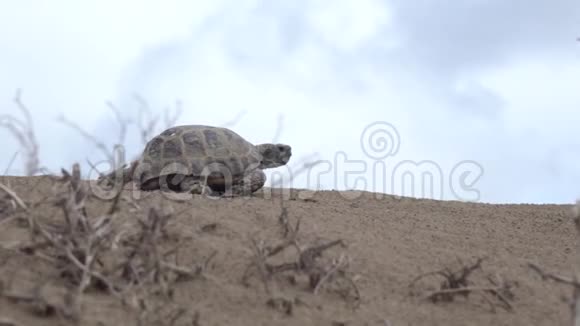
(249, 184)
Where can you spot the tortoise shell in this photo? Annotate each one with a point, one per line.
(197, 149)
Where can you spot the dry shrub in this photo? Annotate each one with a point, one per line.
(23, 131)
(306, 260)
(573, 281)
(97, 253)
(459, 283)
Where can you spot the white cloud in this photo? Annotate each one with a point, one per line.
(348, 24)
(331, 68)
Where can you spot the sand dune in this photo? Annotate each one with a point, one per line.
(388, 242)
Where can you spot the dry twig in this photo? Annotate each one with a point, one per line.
(14, 196)
(307, 261)
(457, 283)
(574, 281)
(23, 131)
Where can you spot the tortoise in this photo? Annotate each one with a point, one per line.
(202, 159)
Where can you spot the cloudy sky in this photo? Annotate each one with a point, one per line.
(483, 96)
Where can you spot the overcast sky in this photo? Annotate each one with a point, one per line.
(485, 93)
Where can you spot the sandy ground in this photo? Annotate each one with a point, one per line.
(390, 241)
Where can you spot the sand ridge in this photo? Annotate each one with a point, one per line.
(388, 242)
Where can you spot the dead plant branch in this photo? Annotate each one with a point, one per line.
(23, 131)
(573, 281)
(307, 262)
(14, 196)
(458, 283)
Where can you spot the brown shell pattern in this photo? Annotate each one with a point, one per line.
(194, 147)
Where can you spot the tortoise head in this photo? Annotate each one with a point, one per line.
(274, 155)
